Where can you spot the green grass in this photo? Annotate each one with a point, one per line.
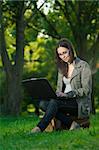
(13, 136)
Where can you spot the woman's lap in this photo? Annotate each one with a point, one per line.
(65, 106)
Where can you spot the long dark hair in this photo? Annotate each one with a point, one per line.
(63, 66)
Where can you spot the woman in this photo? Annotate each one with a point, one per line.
(74, 88)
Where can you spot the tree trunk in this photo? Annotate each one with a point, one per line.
(13, 98)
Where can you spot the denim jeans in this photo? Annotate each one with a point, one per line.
(57, 108)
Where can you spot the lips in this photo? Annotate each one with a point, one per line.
(66, 59)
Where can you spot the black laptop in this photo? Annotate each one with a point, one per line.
(39, 88)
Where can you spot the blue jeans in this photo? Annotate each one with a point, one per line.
(57, 108)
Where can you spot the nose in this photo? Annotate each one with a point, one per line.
(63, 56)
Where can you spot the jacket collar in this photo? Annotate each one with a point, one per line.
(77, 62)
(77, 65)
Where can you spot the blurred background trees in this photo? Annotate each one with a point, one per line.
(29, 31)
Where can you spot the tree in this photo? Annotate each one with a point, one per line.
(13, 67)
(13, 71)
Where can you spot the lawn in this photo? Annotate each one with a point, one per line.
(13, 136)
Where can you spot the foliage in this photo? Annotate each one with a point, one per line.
(14, 135)
(41, 62)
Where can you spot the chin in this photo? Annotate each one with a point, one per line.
(66, 61)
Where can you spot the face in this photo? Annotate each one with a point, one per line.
(63, 53)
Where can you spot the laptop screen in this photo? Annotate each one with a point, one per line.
(39, 88)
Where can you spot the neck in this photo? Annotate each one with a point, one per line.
(70, 61)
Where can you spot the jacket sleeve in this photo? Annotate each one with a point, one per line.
(86, 82)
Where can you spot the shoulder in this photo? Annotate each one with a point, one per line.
(82, 63)
(85, 67)
(60, 75)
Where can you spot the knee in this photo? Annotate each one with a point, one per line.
(53, 102)
(53, 105)
(42, 105)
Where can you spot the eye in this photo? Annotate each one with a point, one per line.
(65, 52)
(60, 54)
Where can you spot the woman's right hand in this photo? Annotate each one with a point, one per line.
(60, 94)
(70, 94)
